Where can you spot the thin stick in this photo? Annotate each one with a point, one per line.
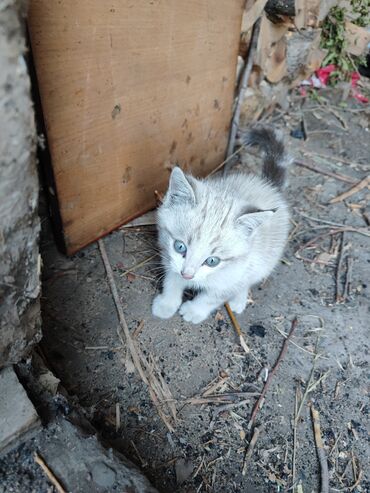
(250, 449)
(237, 328)
(118, 417)
(96, 348)
(295, 436)
(309, 387)
(140, 264)
(338, 296)
(337, 176)
(159, 197)
(333, 232)
(348, 281)
(143, 463)
(219, 399)
(138, 329)
(51, 476)
(272, 373)
(358, 481)
(320, 451)
(225, 407)
(221, 165)
(332, 158)
(359, 186)
(154, 387)
(242, 88)
(323, 221)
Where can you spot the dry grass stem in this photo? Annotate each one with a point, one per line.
(51, 476)
(241, 92)
(149, 373)
(140, 264)
(227, 160)
(348, 281)
(338, 296)
(337, 176)
(295, 423)
(272, 373)
(320, 451)
(138, 329)
(159, 197)
(250, 449)
(359, 186)
(333, 158)
(237, 328)
(313, 241)
(118, 417)
(143, 462)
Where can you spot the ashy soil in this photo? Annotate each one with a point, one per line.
(328, 355)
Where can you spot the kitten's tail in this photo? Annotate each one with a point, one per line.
(276, 158)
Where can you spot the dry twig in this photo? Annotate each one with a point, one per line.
(338, 297)
(140, 264)
(138, 329)
(237, 328)
(250, 449)
(272, 373)
(227, 160)
(49, 473)
(223, 408)
(118, 417)
(348, 281)
(220, 398)
(150, 375)
(334, 231)
(297, 391)
(337, 176)
(320, 451)
(242, 88)
(359, 186)
(332, 157)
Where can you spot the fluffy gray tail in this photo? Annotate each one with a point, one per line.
(276, 158)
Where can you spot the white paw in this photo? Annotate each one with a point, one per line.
(164, 307)
(193, 312)
(237, 306)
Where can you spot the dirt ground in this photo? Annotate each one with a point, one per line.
(206, 451)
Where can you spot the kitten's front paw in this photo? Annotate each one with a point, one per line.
(164, 307)
(192, 312)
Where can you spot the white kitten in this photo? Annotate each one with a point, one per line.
(223, 234)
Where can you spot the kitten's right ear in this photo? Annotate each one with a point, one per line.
(179, 189)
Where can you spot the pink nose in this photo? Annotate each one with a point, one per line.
(187, 276)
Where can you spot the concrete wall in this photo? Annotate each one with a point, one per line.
(19, 223)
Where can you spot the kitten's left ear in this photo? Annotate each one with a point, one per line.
(179, 189)
(252, 220)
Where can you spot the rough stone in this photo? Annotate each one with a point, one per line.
(19, 223)
(83, 465)
(18, 417)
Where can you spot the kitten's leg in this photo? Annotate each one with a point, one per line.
(166, 304)
(199, 308)
(240, 301)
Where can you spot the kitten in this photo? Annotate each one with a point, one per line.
(223, 234)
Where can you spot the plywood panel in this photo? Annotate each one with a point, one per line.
(127, 88)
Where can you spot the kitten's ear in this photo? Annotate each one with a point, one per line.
(252, 220)
(179, 189)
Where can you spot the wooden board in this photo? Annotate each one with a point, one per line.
(127, 88)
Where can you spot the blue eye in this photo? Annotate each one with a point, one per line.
(212, 261)
(180, 247)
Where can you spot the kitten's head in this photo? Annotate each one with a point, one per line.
(202, 229)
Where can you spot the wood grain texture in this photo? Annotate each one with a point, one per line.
(128, 88)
